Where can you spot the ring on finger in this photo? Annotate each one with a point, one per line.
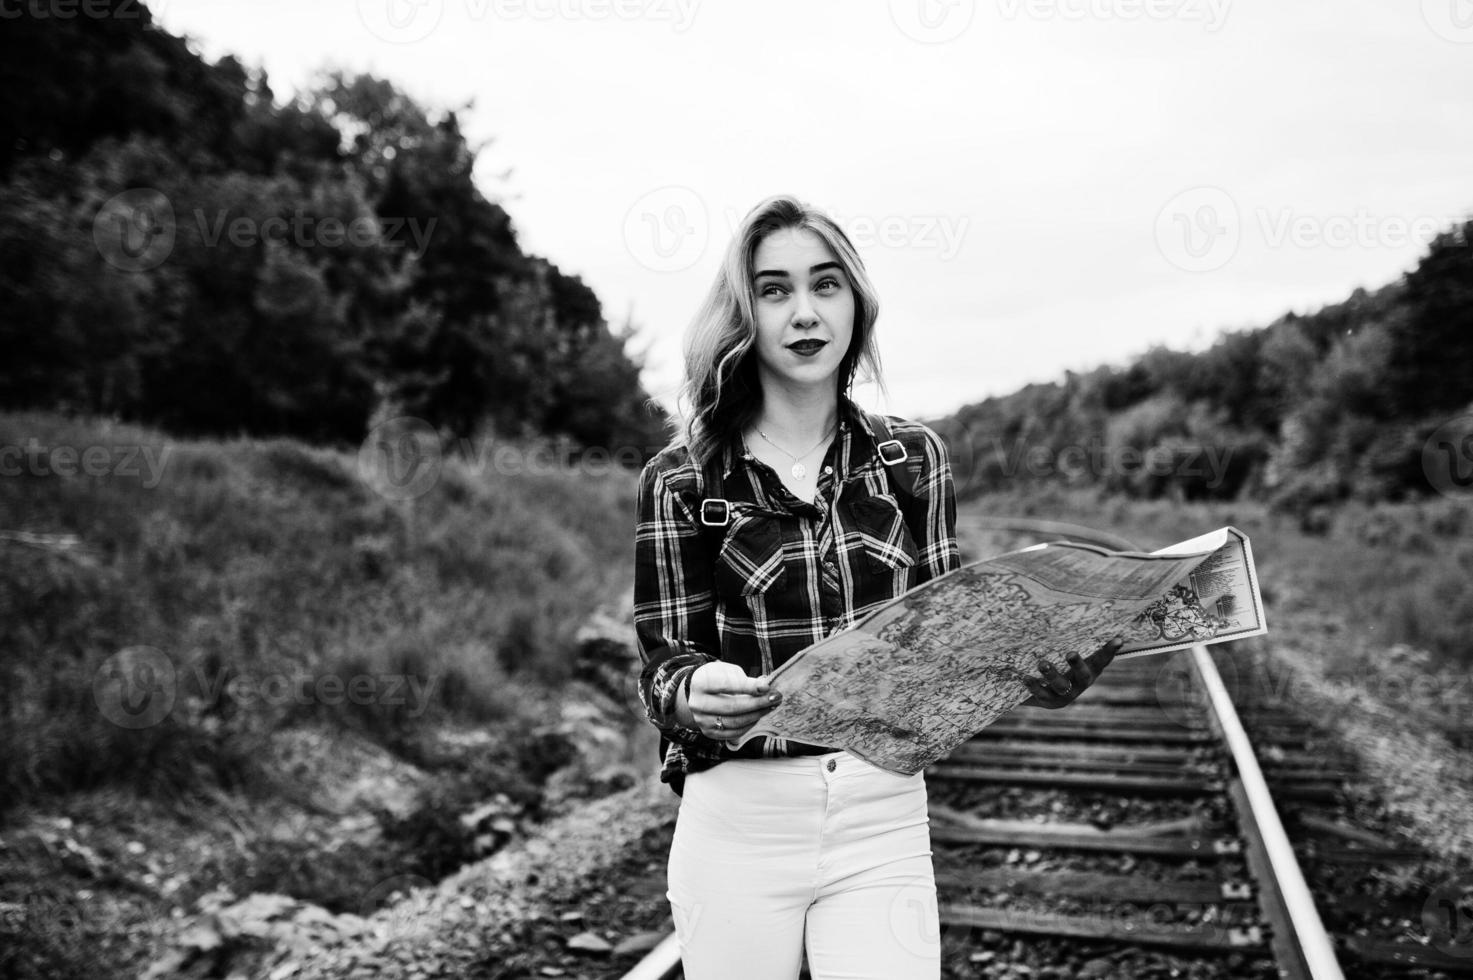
(720, 723)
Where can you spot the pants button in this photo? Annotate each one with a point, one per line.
(832, 763)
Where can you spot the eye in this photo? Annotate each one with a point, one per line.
(829, 284)
(770, 289)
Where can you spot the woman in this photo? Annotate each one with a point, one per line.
(780, 514)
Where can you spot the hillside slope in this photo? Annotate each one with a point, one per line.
(237, 667)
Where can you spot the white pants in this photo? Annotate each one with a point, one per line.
(827, 851)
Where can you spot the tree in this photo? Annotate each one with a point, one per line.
(1431, 357)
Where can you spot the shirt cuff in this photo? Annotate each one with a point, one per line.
(665, 686)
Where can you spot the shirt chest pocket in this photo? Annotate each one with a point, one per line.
(881, 528)
(750, 561)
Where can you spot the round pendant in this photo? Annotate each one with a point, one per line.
(799, 471)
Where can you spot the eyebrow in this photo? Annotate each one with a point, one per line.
(812, 270)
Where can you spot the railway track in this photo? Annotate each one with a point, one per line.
(1141, 832)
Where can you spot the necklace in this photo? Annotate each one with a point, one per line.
(799, 471)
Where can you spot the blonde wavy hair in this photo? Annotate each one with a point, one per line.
(721, 394)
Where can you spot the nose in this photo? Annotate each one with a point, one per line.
(803, 313)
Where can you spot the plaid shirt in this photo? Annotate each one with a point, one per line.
(783, 574)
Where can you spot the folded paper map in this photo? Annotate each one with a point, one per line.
(922, 674)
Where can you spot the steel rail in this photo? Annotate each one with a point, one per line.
(660, 963)
(1312, 947)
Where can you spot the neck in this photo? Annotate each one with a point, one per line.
(797, 419)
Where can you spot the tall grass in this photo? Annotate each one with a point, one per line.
(249, 566)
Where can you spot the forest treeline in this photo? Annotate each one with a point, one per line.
(180, 249)
(1344, 403)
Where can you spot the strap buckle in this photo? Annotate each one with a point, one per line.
(715, 512)
(888, 451)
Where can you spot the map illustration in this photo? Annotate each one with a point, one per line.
(922, 674)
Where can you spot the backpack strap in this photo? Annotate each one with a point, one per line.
(894, 455)
(714, 513)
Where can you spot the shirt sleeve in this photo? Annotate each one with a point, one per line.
(939, 552)
(674, 600)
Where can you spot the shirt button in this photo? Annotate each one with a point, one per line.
(828, 469)
(831, 765)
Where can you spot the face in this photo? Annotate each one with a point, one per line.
(804, 305)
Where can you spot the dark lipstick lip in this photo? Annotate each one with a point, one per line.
(821, 343)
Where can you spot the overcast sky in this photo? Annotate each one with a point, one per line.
(1035, 185)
